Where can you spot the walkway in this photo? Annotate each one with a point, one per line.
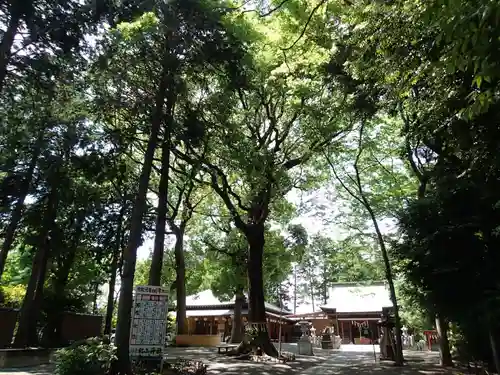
(350, 360)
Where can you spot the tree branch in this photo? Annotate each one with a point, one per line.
(224, 191)
(219, 250)
(346, 188)
(311, 15)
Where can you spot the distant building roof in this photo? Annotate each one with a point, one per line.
(354, 298)
(207, 299)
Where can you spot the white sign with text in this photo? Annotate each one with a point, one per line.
(149, 321)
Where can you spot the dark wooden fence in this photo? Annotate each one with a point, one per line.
(74, 326)
(8, 318)
(80, 326)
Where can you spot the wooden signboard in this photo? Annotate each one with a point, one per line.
(149, 322)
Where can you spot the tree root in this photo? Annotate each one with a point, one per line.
(257, 345)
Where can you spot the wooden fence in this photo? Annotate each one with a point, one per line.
(74, 326)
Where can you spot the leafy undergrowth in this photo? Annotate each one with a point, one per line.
(94, 357)
(180, 367)
(185, 367)
(258, 356)
(89, 357)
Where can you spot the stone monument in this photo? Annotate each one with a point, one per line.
(304, 345)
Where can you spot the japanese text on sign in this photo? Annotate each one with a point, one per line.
(149, 319)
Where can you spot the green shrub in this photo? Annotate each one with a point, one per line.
(12, 295)
(92, 357)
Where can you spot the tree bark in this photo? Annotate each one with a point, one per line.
(8, 40)
(114, 268)
(237, 327)
(444, 345)
(52, 332)
(29, 315)
(94, 303)
(17, 213)
(494, 352)
(257, 310)
(110, 306)
(311, 287)
(294, 289)
(122, 364)
(325, 285)
(180, 279)
(388, 274)
(161, 218)
(387, 264)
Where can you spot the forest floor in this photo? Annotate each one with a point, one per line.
(350, 360)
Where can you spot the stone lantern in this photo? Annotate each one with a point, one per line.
(304, 344)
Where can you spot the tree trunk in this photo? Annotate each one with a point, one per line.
(237, 327)
(388, 274)
(444, 345)
(180, 279)
(387, 264)
(110, 306)
(96, 294)
(161, 218)
(325, 285)
(18, 209)
(7, 42)
(257, 310)
(494, 352)
(311, 290)
(294, 289)
(52, 332)
(325, 294)
(114, 268)
(29, 315)
(122, 363)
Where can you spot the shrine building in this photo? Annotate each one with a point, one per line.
(353, 310)
(209, 320)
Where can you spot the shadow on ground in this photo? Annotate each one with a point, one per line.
(351, 363)
(350, 360)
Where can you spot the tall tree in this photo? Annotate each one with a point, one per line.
(35, 27)
(445, 120)
(188, 197)
(260, 131)
(168, 44)
(355, 187)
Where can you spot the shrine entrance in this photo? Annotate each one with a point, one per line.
(359, 331)
(431, 339)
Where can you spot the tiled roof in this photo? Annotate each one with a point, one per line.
(206, 298)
